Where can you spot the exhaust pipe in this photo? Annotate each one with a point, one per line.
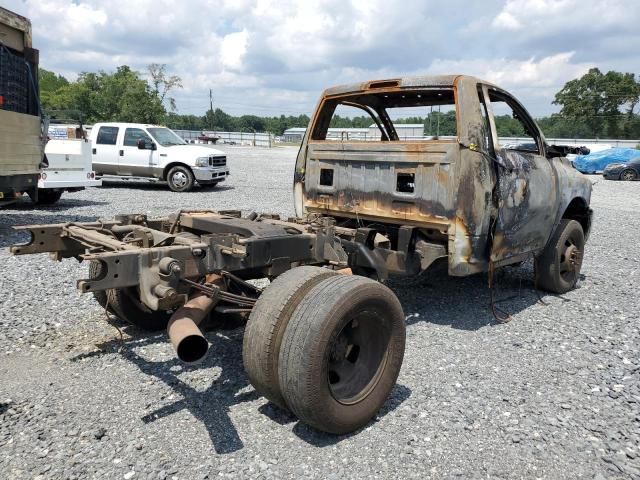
(190, 344)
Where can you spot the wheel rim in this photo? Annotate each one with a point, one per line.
(179, 179)
(570, 260)
(357, 357)
(628, 175)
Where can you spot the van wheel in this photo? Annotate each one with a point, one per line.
(267, 324)
(180, 179)
(341, 353)
(558, 266)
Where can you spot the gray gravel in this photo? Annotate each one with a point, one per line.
(553, 394)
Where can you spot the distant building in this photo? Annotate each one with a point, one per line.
(406, 131)
(293, 135)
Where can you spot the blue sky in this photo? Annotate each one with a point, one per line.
(271, 57)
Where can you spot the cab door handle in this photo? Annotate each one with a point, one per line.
(122, 153)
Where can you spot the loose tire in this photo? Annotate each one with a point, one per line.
(180, 179)
(341, 353)
(628, 174)
(558, 267)
(267, 324)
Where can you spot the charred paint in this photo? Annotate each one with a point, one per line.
(461, 187)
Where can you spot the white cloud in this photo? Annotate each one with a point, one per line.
(234, 47)
(540, 17)
(507, 21)
(268, 56)
(533, 81)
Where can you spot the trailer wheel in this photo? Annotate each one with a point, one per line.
(558, 267)
(267, 324)
(341, 353)
(180, 179)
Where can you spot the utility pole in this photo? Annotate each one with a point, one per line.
(211, 106)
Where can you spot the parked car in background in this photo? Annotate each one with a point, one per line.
(629, 170)
(596, 162)
(133, 150)
(69, 154)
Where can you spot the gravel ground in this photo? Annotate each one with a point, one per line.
(553, 394)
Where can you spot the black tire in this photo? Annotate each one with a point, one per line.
(126, 304)
(332, 384)
(180, 179)
(267, 324)
(558, 267)
(628, 175)
(47, 196)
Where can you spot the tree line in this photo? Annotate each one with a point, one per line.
(596, 105)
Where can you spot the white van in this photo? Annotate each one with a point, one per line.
(126, 150)
(68, 152)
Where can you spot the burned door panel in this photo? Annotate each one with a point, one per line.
(526, 193)
(400, 182)
(526, 208)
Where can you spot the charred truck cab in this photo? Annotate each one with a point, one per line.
(319, 340)
(467, 198)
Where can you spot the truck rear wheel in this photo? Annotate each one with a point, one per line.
(180, 178)
(267, 324)
(341, 353)
(47, 196)
(95, 271)
(558, 266)
(125, 304)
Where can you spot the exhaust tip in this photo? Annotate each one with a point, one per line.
(192, 349)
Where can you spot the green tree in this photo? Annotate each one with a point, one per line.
(162, 84)
(119, 96)
(52, 90)
(597, 99)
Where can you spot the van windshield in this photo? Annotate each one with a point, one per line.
(165, 137)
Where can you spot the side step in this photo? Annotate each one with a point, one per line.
(111, 178)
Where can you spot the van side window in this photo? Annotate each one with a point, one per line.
(107, 136)
(132, 135)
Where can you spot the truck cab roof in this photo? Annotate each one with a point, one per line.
(125, 124)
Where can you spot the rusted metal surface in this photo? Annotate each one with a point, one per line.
(183, 328)
(15, 30)
(378, 209)
(493, 205)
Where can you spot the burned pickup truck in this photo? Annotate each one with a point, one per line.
(326, 338)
